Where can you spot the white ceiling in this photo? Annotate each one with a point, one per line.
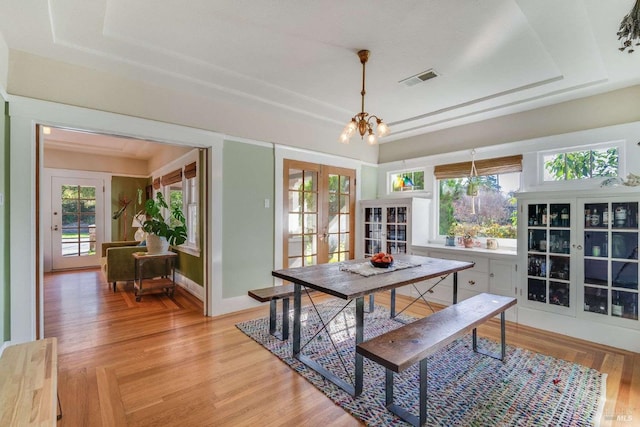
(493, 57)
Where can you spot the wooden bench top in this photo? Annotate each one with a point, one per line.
(28, 392)
(274, 292)
(401, 348)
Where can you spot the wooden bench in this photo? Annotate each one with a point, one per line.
(273, 294)
(28, 389)
(401, 348)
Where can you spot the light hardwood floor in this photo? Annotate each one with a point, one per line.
(160, 362)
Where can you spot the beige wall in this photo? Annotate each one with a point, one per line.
(62, 159)
(612, 108)
(4, 63)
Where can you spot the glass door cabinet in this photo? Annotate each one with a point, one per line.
(549, 277)
(610, 279)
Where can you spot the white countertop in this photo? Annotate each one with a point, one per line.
(508, 252)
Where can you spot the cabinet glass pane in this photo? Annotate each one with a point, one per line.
(373, 214)
(538, 215)
(402, 215)
(391, 215)
(392, 232)
(559, 241)
(593, 215)
(625, 215)
(624, 304)
(596, 272)
(624, 274)
(396, 248)
(624, 245)
(537, 265)
(559, 215)
(559, 267)
(373, 231)
(595, 300)
(537, 290)
(559, 293)
(537, 240)
(596, 243)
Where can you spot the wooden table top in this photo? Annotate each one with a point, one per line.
(143, 255)
(330, 279)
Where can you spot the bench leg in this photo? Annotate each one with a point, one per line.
(503, 341)
(407, 416)
(273, 305)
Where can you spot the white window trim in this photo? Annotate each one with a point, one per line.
(190, 157)
(575, 184)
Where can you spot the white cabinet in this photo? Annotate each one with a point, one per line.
(393, 225)
(581, 269)
(490, 273)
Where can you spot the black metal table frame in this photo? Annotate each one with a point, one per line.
(354, 389)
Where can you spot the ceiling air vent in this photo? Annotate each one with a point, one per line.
(419, 78)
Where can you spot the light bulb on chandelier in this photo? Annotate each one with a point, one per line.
(363, 122)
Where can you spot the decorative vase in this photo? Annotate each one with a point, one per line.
(450, 241)
(157, 244)
(468, 242)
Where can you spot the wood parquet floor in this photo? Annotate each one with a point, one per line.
(160, 362)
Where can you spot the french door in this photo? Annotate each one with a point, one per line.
(319, 214)
(77, 222)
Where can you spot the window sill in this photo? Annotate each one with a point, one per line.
(501, 252)
(188, 250)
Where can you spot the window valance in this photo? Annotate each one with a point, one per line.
(172, 177)
(190, 170)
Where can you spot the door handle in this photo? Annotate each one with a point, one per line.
(55, 227)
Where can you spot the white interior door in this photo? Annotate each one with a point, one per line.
(77, 223)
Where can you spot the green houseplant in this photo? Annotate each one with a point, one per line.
(173, 230)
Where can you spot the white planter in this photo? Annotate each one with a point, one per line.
(157, 244)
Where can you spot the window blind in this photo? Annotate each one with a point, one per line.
(190, 170)
(172, 177)
(494, 166)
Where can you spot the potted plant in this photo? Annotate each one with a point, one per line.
(450, 239)
(161, 232)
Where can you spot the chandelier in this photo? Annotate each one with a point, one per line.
(630, 29)
(363, 121)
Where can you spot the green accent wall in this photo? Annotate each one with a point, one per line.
(248, 232)
(369, 182)
(188, 265)
(5, 307)
(125, 187)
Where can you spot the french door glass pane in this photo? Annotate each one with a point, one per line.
(295, 179)
(78, 220)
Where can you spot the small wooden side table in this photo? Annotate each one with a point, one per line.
(168, 285)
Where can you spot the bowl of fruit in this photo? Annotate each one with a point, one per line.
(382, 260)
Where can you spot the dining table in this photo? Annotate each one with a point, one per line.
(353, 280)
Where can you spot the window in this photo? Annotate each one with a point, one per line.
(181, 190)
(492, 212)
(406, 181)
(584, 164)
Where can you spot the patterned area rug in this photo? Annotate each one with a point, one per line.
(464, 388)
